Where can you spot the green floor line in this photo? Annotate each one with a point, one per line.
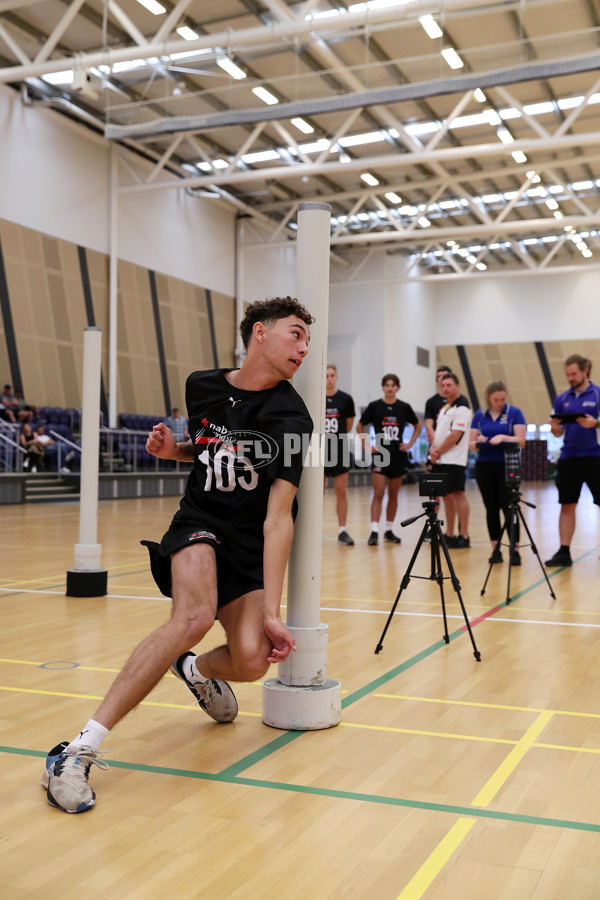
(226, 777)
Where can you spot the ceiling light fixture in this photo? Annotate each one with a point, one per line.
(302, 126)
(393, 198)
(369, 179)
(424, 222)
(152, 6)
(519, 156)
(452, 58)
(230, 67)
(479, 95)
(265, 95)
(186, 33)
(431, 27)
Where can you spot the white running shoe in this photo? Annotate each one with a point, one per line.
(65, 777)
(215, 697)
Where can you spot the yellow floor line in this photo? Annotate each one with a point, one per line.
(502, 773)
(436, 860)
(529, 709)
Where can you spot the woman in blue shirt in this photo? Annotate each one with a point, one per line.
(499, 424)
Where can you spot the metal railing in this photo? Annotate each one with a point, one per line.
(11, 454)
(124, 450)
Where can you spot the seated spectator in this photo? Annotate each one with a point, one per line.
(24, 411)
(7, 404)
(42, 438)
(8, 399)
(178, 425)
(35, 449)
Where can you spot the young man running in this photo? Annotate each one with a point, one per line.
(226, 551)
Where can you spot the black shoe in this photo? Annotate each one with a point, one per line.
(344, 538)
(373, 539)
(391, 538)
(450, 540)
(515, 558)
(560, 558)
(462, 542)
(496, 556)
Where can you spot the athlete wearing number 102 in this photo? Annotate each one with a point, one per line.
(388, 417)
(226, 551)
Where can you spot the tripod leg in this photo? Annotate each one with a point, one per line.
(403, 586)
(456, 586)
(487, 577)
(535, 551)
(512, 514)
(436, 574)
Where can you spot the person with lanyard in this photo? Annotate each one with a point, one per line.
(575, 415)
(389, 417)
(435, 403)
(339, 418)
(492, 430)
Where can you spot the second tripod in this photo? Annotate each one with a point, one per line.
(512, 520)
(432, 531)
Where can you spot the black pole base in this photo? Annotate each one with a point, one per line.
(86, 582)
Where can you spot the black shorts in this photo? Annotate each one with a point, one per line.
(571, 474)
(337, 455)
(239, 556)
(398, 465)
(455, 476)
(333, 471)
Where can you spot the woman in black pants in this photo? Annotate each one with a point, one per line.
(498, 424)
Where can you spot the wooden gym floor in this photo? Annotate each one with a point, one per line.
(448, 778)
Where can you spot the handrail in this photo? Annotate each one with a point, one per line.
(61, 437)
(12, 443)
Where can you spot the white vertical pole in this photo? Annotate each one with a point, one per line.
(87, 579)
(302, 697)
(113, 286)
(312, 289)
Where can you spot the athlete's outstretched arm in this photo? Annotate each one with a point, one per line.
(161, 443)
(278, 532)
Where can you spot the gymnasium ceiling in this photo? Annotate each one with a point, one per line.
(461, 134)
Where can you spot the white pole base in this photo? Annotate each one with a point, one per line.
(308, 708)
(88, 556)
(307, 665)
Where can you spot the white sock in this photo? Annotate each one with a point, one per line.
(389, 526)
(341, 529)
(190, 671)
(91, 735)
(375, 526)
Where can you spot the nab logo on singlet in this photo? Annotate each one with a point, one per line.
(243, 447)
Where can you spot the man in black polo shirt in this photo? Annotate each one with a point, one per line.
(388, 416)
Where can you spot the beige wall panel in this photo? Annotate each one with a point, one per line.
(50, 249)
(39, 298)
(447, 356)
(33, 370)
(19, 289)
(32, 246)
(10, 235)
(48, 308)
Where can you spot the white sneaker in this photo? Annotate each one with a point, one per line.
(65, 777)
(215, 697)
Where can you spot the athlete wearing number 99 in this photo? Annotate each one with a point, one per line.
(225, 553)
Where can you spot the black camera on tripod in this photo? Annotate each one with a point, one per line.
(512, 468)
(433, 484)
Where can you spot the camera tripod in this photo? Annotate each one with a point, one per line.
(515, 515)
(432, 529)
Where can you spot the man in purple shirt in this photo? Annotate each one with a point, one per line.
(579, 459)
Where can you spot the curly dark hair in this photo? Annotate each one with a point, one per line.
(269, 311)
